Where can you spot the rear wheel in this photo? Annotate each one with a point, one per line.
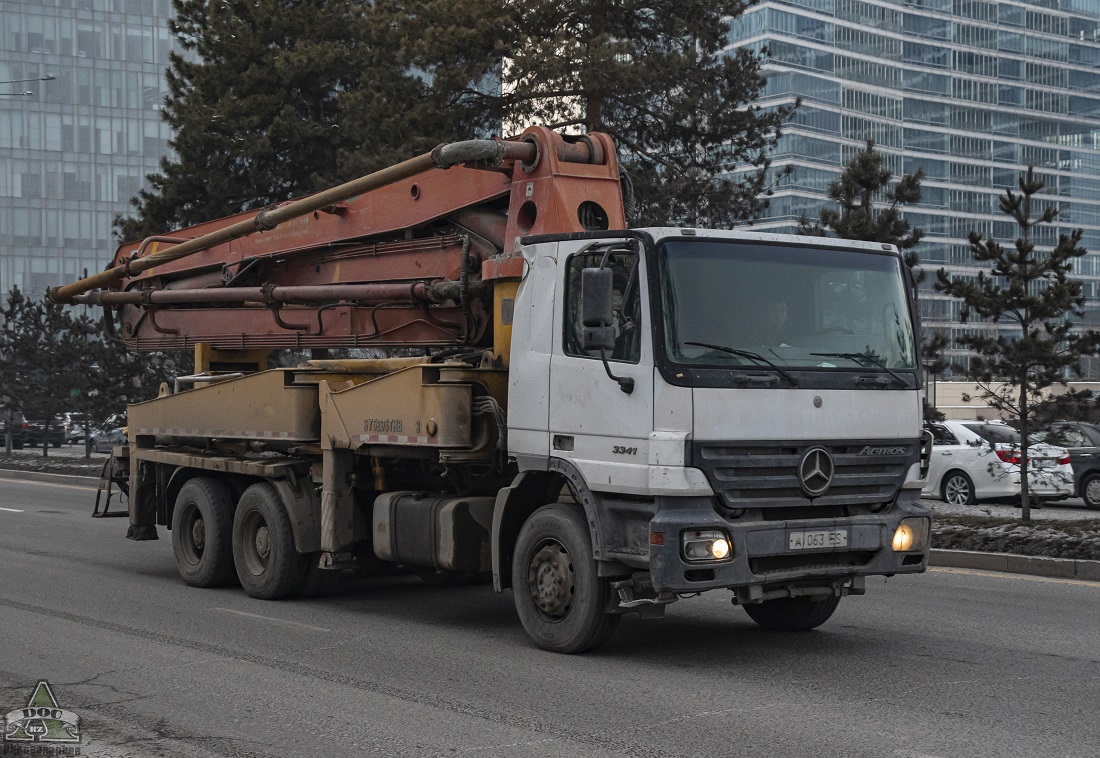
(202, 521)
(957, 489)
(560, 599)
(1090, 491)
(792, 614)
(267, 562)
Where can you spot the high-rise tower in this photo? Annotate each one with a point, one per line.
(971, 91)
(74, 152)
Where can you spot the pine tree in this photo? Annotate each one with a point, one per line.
(277, 98)
(10, 374)
(654, 75)
(863, 180)
(857, 218)
(274, 99)
(1030, 290)
(113, 377)
(45, 359)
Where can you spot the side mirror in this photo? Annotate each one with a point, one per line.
(596, 309)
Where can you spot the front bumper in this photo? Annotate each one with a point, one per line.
(761, 548)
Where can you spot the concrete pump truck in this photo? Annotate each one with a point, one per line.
(603, 420)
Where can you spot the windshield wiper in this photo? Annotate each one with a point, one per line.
(749, 355)
(860, 357)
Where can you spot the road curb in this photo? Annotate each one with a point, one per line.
(43, 476)
(1065, 568)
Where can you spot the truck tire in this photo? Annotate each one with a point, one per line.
(792, 614)
(267, 562)
(202, 525)
(560, 599)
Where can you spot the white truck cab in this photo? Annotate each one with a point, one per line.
(752, 420)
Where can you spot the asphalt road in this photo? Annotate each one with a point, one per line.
(951, 663)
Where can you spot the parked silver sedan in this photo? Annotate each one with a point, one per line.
(105, 441)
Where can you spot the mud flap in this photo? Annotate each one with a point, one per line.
(143, 501)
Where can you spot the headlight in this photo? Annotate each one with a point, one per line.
(911, 536)
(702, 545)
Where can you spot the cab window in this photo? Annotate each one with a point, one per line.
(626, 304)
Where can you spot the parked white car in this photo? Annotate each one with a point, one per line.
(980, 460)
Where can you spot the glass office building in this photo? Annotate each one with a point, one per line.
(74, 153)
(970, 91)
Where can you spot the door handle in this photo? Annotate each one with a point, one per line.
(946, 452)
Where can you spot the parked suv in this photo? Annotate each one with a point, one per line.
(36, 433)
(18, 433)
(1083, 442)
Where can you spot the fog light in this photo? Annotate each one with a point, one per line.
(911, 536)
(702, 545)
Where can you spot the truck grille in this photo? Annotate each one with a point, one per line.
(756, 475)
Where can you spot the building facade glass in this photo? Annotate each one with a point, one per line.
(74, 153)
(970, 91)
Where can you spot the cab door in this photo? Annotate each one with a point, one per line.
(594, 424)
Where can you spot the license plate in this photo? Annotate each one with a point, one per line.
(817, 539)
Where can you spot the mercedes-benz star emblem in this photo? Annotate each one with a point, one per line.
(815, 473)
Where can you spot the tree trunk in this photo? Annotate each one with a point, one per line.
(1025, 433)
(593, 105)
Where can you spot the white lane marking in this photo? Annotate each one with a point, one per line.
(272, 620)
(31, 482)
(1008, 575)
(11, 510)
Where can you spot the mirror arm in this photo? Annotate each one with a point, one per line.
(626, 383)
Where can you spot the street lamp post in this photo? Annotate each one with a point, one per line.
(26, 93)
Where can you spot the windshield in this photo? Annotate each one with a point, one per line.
(797, 307)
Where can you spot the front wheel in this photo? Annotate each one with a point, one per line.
(1090, 491)
(792, 614)
(560, 599)
(268, 564)
(957, 489)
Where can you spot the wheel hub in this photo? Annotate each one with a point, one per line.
(957, 491)
(551, 580)
(263, 543)
(198, 534)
